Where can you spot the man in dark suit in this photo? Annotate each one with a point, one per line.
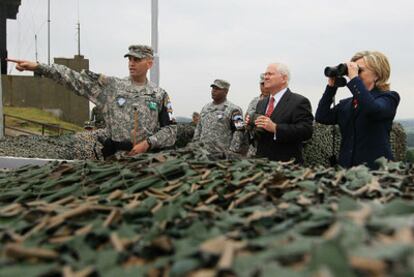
(286, 118)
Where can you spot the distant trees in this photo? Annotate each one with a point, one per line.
(410, 139)
(410, 155)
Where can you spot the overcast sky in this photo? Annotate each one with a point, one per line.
(234, 40)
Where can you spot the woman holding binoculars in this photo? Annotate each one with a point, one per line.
(365, 119)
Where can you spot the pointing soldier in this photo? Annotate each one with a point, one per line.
(220, 128)
(137, 113)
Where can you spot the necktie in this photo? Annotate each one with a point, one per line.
(270, 107)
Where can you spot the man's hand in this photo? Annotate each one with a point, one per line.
(247, 119)
(141, 147)
(265, 123)
(24, 65)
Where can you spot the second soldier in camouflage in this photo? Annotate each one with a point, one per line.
(221, 123)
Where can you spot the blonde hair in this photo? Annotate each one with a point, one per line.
(378, 63)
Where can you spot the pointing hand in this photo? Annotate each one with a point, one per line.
(22, 65)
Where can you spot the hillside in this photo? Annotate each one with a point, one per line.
(37, 115)
(408, 125)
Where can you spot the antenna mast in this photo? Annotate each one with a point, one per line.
(48, 32)
(36, 53)
(79, 32)
(155, 70)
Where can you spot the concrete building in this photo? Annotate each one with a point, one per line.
(28, 91)
(8, 10)
(42, 93)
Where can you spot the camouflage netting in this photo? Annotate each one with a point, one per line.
(179, 213)
(318, 150)
(398, 139)
(185, 133)
(67, 147)
(81, 146)
(84, 145)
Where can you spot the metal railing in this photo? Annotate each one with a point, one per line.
(52, 128)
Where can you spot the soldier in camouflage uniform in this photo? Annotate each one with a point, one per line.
(138, 114)
(195, 118)
(220, 129)
(263, 93)
(251, 109)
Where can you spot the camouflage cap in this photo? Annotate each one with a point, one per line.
(140, 51)
(262, 78)
(220, 84)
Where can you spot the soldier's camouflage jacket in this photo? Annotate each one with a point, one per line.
(216, 128)
(251, 109)
(97, 117)
(125, 106)
(252, 105)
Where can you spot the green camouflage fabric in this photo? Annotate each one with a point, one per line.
(262, 78)
(252, 106)
(119, 99)
(215, 129)
(139, 51)
(97, 117)
(223, 84)
(251, 109)
(179, 213)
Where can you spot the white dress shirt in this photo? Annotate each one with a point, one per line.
(277, 96)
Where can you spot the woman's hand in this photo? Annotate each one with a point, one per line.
(331, 81)
(353, 70)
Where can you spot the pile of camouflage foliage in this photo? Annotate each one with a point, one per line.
(67, 147)
(318, 150)
(80, 146)
(84, 145)
(180, 213)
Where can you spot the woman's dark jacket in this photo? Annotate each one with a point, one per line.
(365, 122)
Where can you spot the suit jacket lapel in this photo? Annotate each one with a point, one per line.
(281, 106)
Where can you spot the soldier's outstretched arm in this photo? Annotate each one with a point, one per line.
(86, 83)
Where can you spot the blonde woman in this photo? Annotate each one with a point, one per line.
(365, 119)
